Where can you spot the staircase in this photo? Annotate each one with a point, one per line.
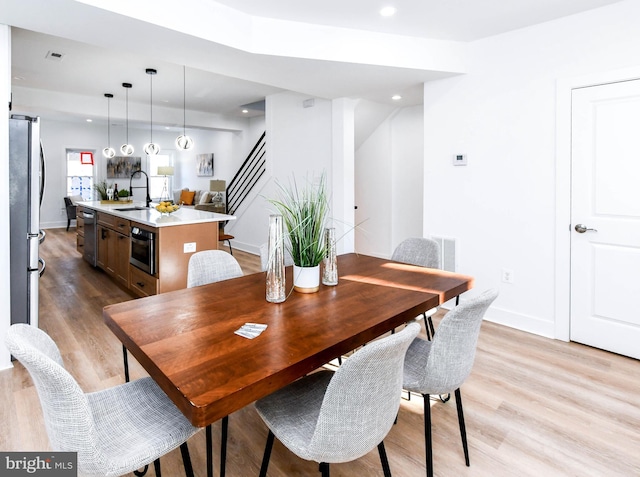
(250, 172)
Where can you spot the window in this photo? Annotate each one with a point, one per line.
(80, 169)
(156, 180)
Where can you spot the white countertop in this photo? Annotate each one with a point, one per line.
(153, 218)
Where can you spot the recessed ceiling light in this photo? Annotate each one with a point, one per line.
(89, 120)
(245, 111)
(388, 11)
(396, 97)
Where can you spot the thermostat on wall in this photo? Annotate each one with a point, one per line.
(460, 160)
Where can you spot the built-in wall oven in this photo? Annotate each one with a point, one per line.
(143, 250)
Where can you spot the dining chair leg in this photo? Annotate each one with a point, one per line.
(324, 469)
(383, 459)
(156, 467)
(267, 455)
(125, 357)
(463, 430)
(426, 325)
(186, 460)
(141, 473)
(223, 446)
(427, 435)
(209, 451)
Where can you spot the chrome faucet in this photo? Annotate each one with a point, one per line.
(148, 199)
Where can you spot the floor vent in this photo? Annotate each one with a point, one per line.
(448, 250)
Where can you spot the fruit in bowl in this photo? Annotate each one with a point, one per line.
(167, 207)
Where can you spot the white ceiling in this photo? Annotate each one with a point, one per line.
(103, 49)
(458, 20)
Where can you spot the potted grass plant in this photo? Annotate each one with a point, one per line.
(304, 213)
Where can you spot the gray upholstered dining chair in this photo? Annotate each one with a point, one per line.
(210, 266)
(114, 431)
(423, 252)
(443, 364)
(331, 417)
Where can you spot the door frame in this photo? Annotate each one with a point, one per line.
(564, 88)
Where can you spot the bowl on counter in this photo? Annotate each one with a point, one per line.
(167, 208)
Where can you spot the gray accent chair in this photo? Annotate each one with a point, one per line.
(423, 252)
(331, 417)
(443, 364)
(210, 266)
(114, 431)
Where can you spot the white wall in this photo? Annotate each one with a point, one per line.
(298, 145)
(502, 114)
(389, 175)
(407, 169)
(5, 87)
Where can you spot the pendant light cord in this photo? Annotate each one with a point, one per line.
(151, 105)
(184, 100)
(127, 90)
(108, 122)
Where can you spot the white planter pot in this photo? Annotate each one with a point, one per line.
(306, 279)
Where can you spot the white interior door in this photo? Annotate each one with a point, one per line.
(605, 192)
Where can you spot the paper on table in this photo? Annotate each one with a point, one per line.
(250, 330)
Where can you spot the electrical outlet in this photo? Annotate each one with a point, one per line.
(189, 247)
(507, 275)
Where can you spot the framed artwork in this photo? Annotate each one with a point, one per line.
(204, 165)
(123, 166)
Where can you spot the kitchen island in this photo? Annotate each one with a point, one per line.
(143, 250)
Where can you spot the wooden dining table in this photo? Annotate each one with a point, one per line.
(185, 339)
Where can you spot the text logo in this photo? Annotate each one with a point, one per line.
(49, 464)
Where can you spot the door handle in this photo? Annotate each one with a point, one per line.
(583, 228)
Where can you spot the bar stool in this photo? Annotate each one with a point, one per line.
(226, 238)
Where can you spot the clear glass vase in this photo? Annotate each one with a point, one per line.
(330, 271)
(276, 281)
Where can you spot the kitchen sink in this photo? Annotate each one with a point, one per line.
(125, 209)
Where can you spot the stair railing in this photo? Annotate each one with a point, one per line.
(250, 172)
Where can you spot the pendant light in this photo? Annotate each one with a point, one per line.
(151, 148)
(184, 142)
(126, 148)
(108, 151)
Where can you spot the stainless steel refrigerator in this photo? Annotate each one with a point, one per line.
(26, 189)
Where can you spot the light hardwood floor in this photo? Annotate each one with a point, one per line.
(533, 406)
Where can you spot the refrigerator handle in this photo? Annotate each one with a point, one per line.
(41, 236)
(44, 265)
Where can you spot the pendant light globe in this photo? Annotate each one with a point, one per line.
(151, 148)
(127, 149)
(184, 142)
(108, 151)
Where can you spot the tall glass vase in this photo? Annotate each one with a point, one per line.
(330, 271)
(276, 281)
